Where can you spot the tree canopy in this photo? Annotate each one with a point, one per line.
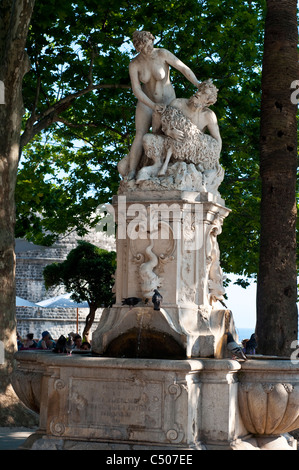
(79, 119)
(87, 273)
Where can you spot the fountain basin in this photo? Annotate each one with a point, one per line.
(27, 378)
(88, 402)
(269, 396)
(122, 403)
(110, 403)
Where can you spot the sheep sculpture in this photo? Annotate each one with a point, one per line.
(196, 147)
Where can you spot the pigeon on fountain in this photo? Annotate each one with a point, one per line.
(69, 345)
(251, 345)
(131, 301)
(157, 299)
(235, 348)
(60, 345)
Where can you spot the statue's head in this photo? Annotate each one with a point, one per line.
(141, 38)
(209, 91)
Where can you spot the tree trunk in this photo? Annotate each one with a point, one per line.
(89, 322)
(277, 319)
(15, 18)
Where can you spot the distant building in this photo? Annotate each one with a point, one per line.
(30, 263)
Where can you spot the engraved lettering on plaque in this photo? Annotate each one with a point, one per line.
(121, 403)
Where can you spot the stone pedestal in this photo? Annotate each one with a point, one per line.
(167, 240)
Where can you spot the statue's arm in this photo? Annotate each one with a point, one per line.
(213, 128)
(173, 61)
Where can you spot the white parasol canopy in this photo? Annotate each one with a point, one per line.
(24, 303)
(62, 301)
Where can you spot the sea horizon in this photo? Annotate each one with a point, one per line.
(245, 333)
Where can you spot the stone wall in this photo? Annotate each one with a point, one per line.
(30, 264)
(58, 321)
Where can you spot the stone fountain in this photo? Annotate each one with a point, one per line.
(160, 376)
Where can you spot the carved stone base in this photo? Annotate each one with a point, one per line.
(89, 402)
(179, 176)
(40, 441)
(44, 442)
(170, 333)
(167, 240)
(110, 403)
(115, 403)
(279, 442)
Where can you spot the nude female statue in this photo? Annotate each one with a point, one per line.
(149, 74)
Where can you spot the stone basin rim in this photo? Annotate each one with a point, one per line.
(271, 363)
(259, 363)
(262, 357)
(63, 360)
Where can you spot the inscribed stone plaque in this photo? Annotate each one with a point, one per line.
(117, 403)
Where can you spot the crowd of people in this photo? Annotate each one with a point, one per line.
(46, 342)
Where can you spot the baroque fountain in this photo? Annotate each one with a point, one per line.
(160, 375)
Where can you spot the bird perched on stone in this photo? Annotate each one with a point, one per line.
(157, 299)
(131, 301)
(251, 345)
(69, 344)
(235, 348)
(60, 345)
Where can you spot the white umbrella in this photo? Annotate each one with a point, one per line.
(62, 301)
(24, 303)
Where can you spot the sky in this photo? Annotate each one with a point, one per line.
(242, 303)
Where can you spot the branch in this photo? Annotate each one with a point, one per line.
(51, 114)
(76, 126)
(80, 137)
(91, 124)
(68, 99)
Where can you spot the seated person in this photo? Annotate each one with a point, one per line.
(77, 341)
(46, 342)
(29, 342)
(85, 346)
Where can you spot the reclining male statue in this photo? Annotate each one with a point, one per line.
(184, 122)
